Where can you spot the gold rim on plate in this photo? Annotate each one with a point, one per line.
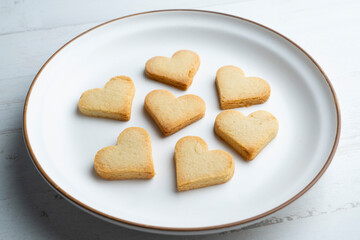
(172, 229)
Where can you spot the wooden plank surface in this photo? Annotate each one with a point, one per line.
(30, 32)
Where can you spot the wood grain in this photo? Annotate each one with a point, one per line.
(29, 35)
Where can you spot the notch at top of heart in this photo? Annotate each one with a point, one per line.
(237, 90)
(113, 101)
(172, 114)
(177, 71)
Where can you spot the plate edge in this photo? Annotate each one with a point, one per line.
(226, 226)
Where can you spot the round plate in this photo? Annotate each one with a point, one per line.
(63, 143)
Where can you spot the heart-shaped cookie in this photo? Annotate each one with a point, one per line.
(114, 101)
(248, 135)
(236, 90)
(131, 158)
(172, 114)
(197, 167)
(177, 71)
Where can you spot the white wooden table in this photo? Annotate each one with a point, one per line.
(30, 31)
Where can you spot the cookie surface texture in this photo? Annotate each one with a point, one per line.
(237, 90)
(172, 114)
(177, 71)
(131, 158)
(113, 101)
(197, 167)
(248, 135)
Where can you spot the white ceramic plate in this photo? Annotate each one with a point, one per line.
(63, 142)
